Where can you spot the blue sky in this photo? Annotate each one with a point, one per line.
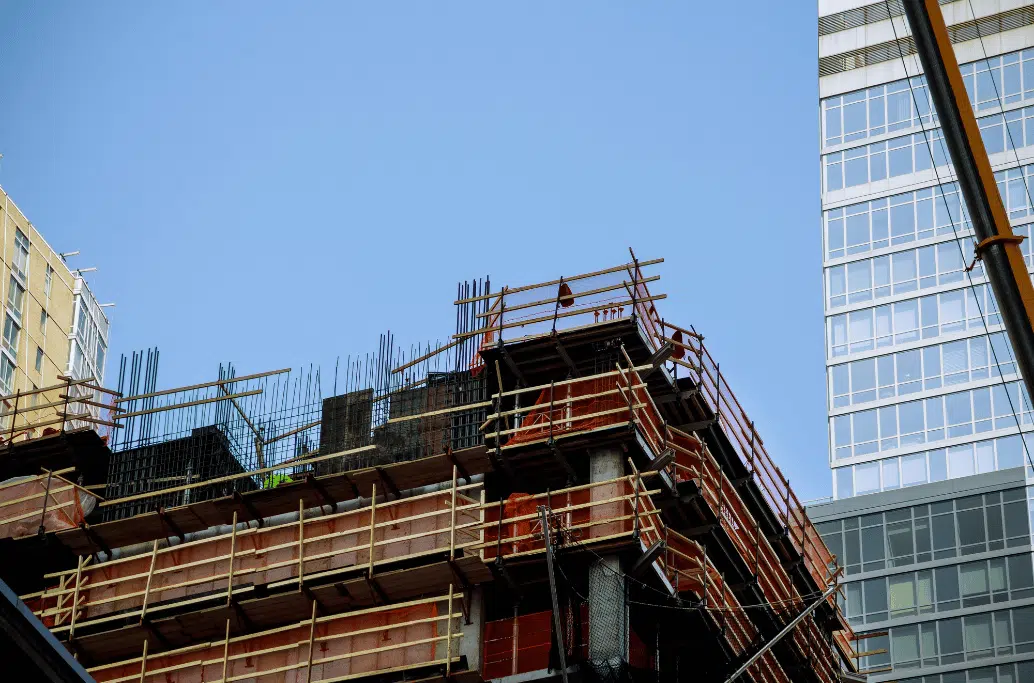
(277, 184)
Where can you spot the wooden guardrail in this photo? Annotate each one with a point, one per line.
(381, 640)
(370, 537)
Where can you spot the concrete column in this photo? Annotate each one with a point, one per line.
(470, 644)
(607, 630)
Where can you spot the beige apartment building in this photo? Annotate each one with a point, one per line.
(52, 324)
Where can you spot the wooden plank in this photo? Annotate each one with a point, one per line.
(150, 575)
(226, 649)
(424, 357)
(243, 475)
(188, 404)
(569, 420)
(540, 387)
(205, 385)
(452, 520)
(448, 635)
(143, 662)
(373, 513)
(559, 402)
(296, 430)
(301, 543)
(312, 640)
(547, 318)
(572, 297)
(524, 288)
(443, 411)
(229, 572)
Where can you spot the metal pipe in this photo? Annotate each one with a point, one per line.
(779, 636)
(544, 516)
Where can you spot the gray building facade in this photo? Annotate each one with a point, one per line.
(944, 571)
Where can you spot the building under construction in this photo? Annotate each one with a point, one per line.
(567, 489)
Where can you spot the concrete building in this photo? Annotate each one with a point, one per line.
(53, 325)
(927, 414)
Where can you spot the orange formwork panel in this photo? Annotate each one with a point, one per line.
(398, 638)
(402, 529)
(46, 500)
(522, 644)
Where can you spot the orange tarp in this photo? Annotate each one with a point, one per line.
(23, 501)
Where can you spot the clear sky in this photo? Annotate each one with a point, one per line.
(278, 183)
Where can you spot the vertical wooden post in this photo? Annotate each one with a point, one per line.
(143, 663)
(46, 499)
(301, 541)
(229, 572)
(75, 598)
(452, 518)
(635, 505)
(312, 640)
(147, 587)
(226, 652)
(704, 565)
(481, 527)
(373, 527)
(448, 637)
(14, 417)
(59, 617)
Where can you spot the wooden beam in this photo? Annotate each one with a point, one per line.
(188, 404)
(524, 288)
(229, 572)
(242, 475)
(147, 586)
(548, 318)
(301, 543)
(373, 513)
(205, 385)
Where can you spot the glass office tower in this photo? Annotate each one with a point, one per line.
(927, 414)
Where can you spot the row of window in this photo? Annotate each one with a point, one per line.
(1014, 187)
(909, 372)
(894, 106)
(921, 533)
(902, 218)
(15, 305)
(881, 160)
(943, 589)
(922, 151)
(952, 641)
(902, 272)
(939, 464)
(963, 413)
(88, 337)
(926, 317)
(1020, 672)
(875, 111)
